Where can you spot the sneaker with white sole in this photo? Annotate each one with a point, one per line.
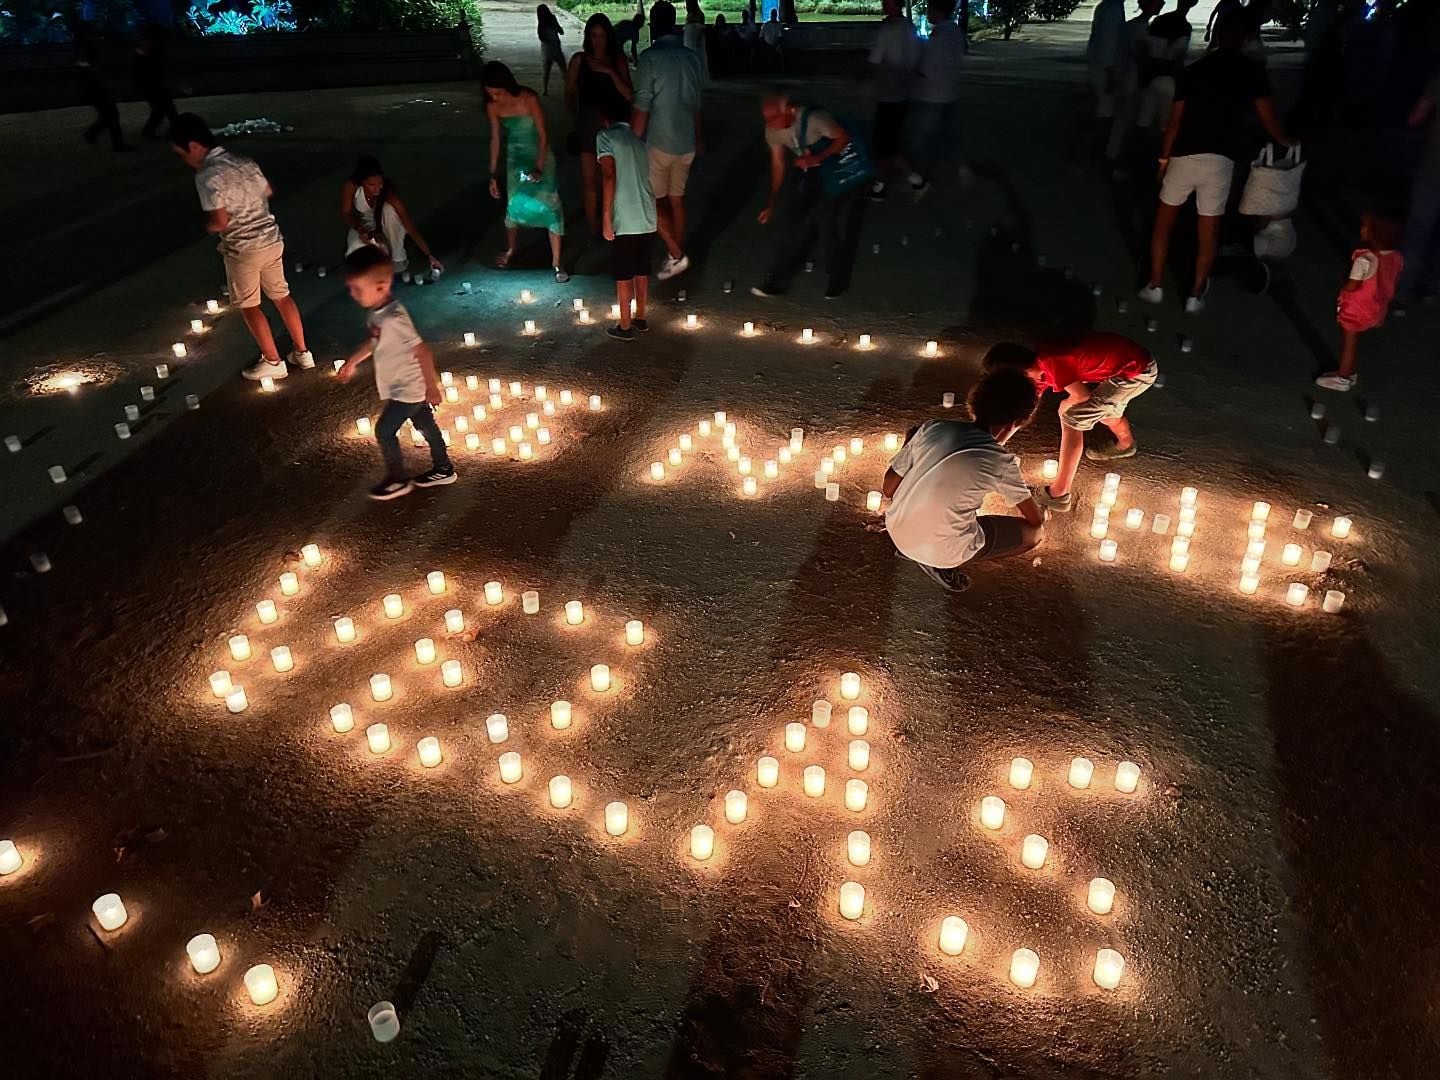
(1110, 452)
(1194, 305)
(1056, 504)
(304, 359)
(1152, 294)
(1333, 380)
(673, 267)
(389, 489)
(266, 369)
(435, 477)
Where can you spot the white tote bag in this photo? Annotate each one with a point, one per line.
(1273, 188)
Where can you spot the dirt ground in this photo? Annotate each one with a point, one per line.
(1277, 880)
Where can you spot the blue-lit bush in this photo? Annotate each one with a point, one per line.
(210, 17)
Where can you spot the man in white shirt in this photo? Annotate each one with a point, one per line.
(893, 60)
(1136, 58)
(939, 479)
(935, 98)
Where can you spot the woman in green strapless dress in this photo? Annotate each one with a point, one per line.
(533, 202)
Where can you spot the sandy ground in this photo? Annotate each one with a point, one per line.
(1277, 882)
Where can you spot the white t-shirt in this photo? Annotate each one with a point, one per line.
(235, 184)
(947, 469)
(397, 373)
(895, 55)
(771, 33)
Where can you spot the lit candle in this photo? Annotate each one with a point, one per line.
(1340, 528)
(197, 326)
(393, 605)
(1108, 549)
(240, 647)
(600, 678)
(1024, 967)
(204, 953)
(530, 602)
(857, 848)
(1333, 602)
(526, 296)
(857, 720)
(749, 486)
(702, 842)
(785, 455)
(872, 501)
(1134, 517)
(567, 397)
(634, 632)
(380, 688)
(260, 984)
(892, 443)
(1100, 897)
(429, 750)
(494, 593)
(235, 700)
(852, 900)
(820, 713)
(749, 329)
(849, 686)
(1081, 770)
(1255, 549)
(267, 384)
(517, 434)
(767, 772)
(736, 805)
(1033, 851)
(1127, 776)
(510, 768)
(1188, 496)
(577, 303)
(470, 338)
(425, 650)
(1256, 530)
(617, 818)
(657, 470)
(560, 793)
(795, 737)
(212, 306)
(435, 582)
(574, 612)
(686, 442)
(179, 350)
(310, 555)
(1320, 562)
(220, 683)
(281, 658)
(266, 610)
(827, 467)
(797, 439)
(1290, 555)
(864, 341)
(1109, 966)
(947, 400)
(450, 673)
(691, 321)
(1179, 561)
(344, 630)
(110, 911)
(497, 446)
(672, 456)
(496, 402)
(1296, 593)
(532, 420)
(1021, 770)
(1302, 518)
(1260, 512)
(743, 465)
(472, 382)
(992, 812)
(530, 326)
(814, 778)
(1099, 525)
(807, 336)
(595, 403)
(857, 793)
(289, 585)
(932, 348)
(377, 736)
(342, 718)
(857, 755)
(492, 385)
(542, 436)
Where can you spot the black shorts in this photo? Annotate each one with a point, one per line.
(1004, 534)
(889, 124)
(630, 255)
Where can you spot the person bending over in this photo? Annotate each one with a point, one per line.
(376, 214)
(940, 477)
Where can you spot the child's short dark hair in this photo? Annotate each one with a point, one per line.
(364, 259)
(188, 128)
(1384, 227)
(1003, 397)
(1009, 354)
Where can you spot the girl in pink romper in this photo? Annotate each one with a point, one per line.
(1365, 298)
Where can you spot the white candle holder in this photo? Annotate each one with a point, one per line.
(220, 683)
(600, 678)
(1108, 551)
(852, 900)
(494, 593)
(425, 650)
(857, 720)
(736, 806)
(992, 812)
(1340, 528)
(1024, 968)
(767, 772)
(342, 718)
(1109, 966)
(510, 768)
(1100, 896)
(1320, 562)
(428, 750)
(857, 794)
(450, 673)
(204, 953)
(239, 647)
(1127, 777)
(1302, 518)
(380, 687)
(435, 582)
(393, 606)
(1021, 772)
(1081, 770)
(377, 738)
(820, 711)
(814, 781)
(872, 501)
(849, 686)
(110, 911)
(261, 984)
(857, 755)
(953, 932)
(310, 555)
(266, 611)
(344, 630)
(857, 848)
(1332, 603)
(634, 632)
(281, 659)
(795, 737)
(702, 842)
(617, 818)
(1033, 850)
(1296, 594)
(561, 794)
(236, 701)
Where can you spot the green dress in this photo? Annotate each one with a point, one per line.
(531, 204)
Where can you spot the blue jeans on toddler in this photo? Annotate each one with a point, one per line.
(387, 430)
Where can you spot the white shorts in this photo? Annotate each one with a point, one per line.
(251, 272)
(669, 173)
(1206, 176)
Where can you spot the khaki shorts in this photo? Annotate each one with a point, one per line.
(668, 173)
(1207, 176)
(251, 272)
(1108, 400)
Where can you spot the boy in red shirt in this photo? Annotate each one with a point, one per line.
(1099, 375)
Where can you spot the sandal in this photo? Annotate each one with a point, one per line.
(502, 261)
(561, 277)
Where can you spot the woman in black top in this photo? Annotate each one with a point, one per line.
(597, 74)
(549, 31)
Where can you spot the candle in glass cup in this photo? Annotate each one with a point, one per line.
(510, 767)
(377, 736)
(450, 673)
(767, 772)
(344, 630)
(857, 792)
(617, 818)
(600, 678)
(857, 848)
(857, 755)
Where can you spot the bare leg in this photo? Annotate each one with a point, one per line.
(665, 227)
(641, 286)
(290, 313)
(1349, 343)
(512, 238)
(625, 292)
(1072, 445)
(1165, 216)
(555, 239)
(259, 327)
(1120, 428)
(589, 186)
(1205, 253)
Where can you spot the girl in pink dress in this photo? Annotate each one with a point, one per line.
(1365, 298)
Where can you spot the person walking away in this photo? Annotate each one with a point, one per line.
(893, 59)
(1204, 138)
(152, 80)
(808, 137)
(404, 374)
(695, 36)
(518, 123)
(598, 75)
(1422, 227)
(627, 32)
(668, 83)
(1104, 56)
(628, 205)
(936, 98)
(749, 36)
(1169, 44)
(1375, 268)
(938, 482)
(552, 54)
(1100, 375)
(95, 90)
(376, 214)
(236, 199)
(1136, 58)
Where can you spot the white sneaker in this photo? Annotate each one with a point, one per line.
(1152, 294)
(1194, 305)
(303, 360)
(673, 267)
(262, 368)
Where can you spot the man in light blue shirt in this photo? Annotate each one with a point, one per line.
(668, 84)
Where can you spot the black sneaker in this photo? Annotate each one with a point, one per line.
(436, 477)
(834, 292)
(621, 333)
(643, 325)
(767, 291)
(389, 489)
